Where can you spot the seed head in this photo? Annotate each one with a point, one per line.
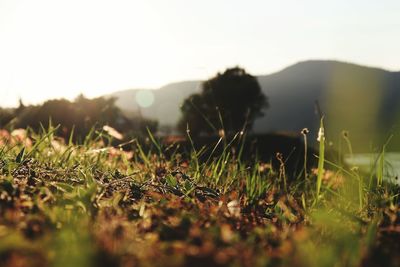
(305, 131)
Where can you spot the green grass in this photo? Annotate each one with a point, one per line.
(321, 159)
(94, 204)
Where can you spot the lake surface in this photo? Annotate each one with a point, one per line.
(368, 162)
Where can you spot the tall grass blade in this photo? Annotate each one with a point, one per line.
(321, 157)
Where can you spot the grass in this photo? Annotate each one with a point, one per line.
(95, 204)
(321, 159)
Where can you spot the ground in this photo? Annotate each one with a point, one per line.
(93, 204)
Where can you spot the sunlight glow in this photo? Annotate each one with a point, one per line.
(53, 49)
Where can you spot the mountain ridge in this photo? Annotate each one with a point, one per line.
(346, 93)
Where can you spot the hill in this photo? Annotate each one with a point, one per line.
(360, 99)
(167, 101)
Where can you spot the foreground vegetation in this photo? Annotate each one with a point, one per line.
(93, 204)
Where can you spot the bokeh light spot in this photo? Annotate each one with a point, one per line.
(145, 98)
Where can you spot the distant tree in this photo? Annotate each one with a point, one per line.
(81, 115)
(233, 98)
(6, 115)
(20, 107)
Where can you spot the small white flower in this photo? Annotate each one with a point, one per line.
(321, 135)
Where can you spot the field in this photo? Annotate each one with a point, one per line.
(101, 204)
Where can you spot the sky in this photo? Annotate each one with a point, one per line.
(54, 49)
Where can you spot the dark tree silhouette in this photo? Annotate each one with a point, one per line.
(6, 115)
(229, 101)
(81, 115)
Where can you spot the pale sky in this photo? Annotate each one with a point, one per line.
(54, 48)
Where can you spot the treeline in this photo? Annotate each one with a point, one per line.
(79, 116)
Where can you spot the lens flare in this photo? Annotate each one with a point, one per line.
(144, 98)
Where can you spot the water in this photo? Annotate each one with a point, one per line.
(368, 162)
